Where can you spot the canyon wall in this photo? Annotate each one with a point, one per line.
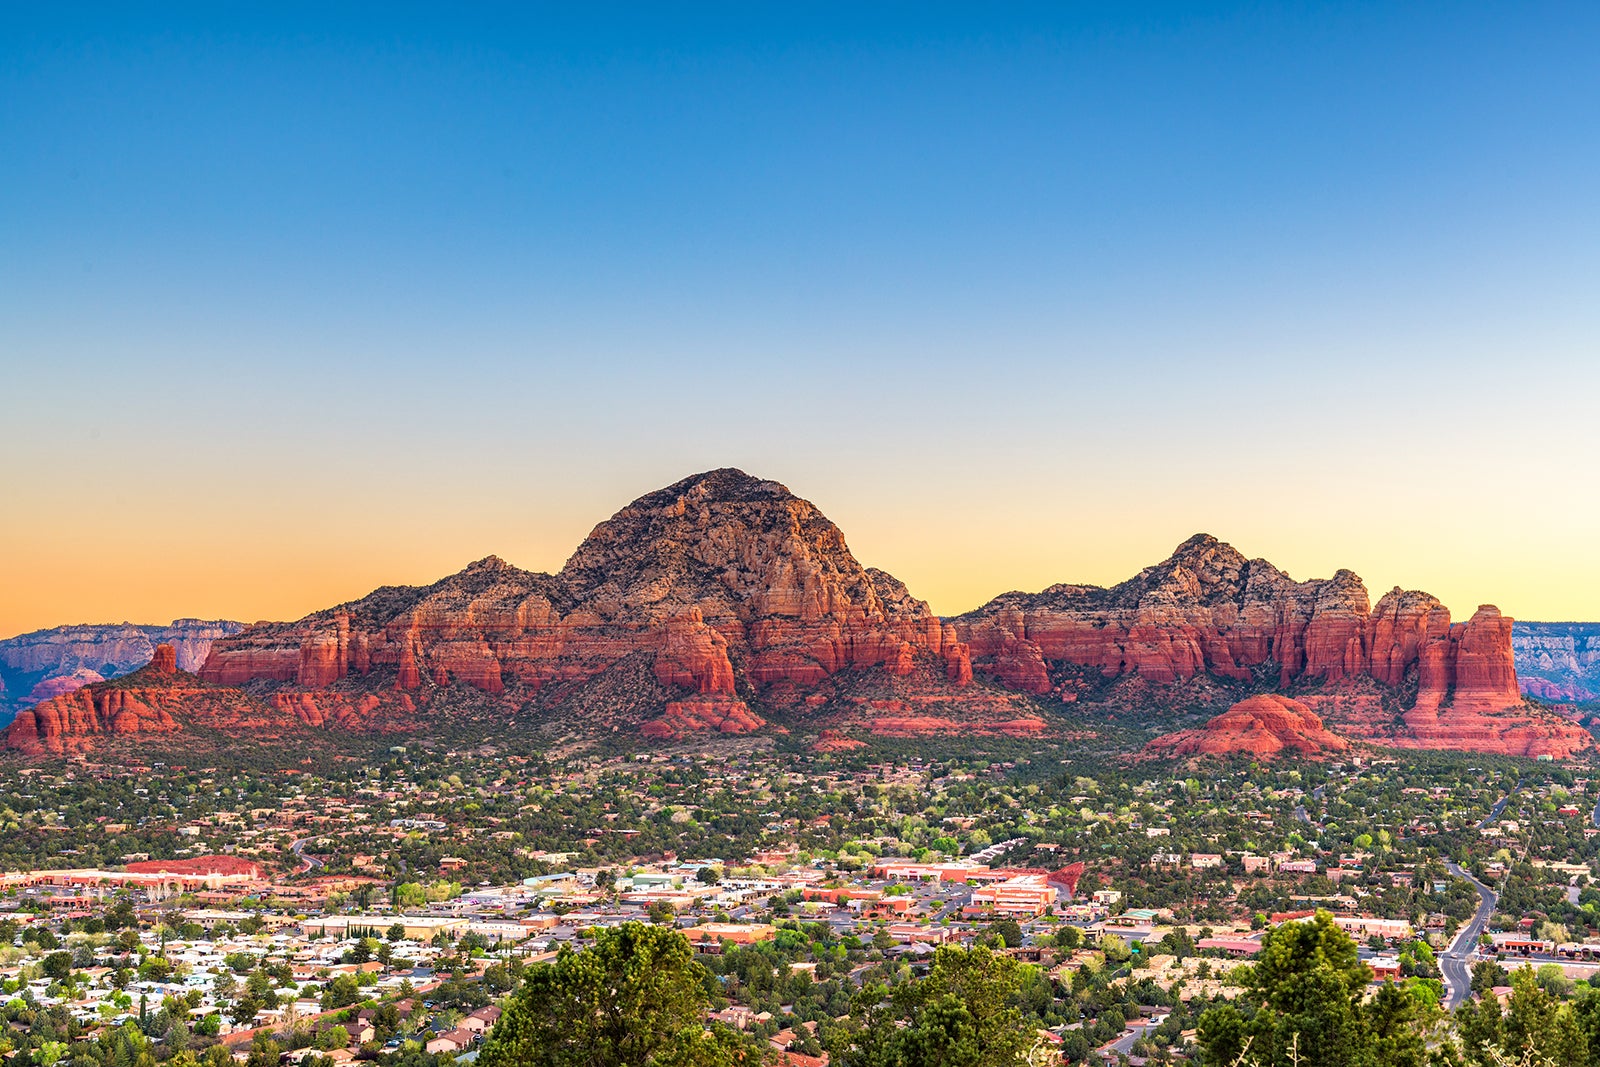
(1558, 661)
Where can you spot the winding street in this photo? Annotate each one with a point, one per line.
(1124, 1044)
(298, 848)
(1456, 962)
(1500, 806)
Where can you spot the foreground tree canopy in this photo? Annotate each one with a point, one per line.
(961, 1015)
(637, 996)
(1305, 1004)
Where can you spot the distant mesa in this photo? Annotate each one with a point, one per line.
(62, 684)
(1558, 661)
(1264, 726)
(39, 666)
(155, 701)
(725, 605)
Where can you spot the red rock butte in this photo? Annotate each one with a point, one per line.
(724, 604)
(1263, 726)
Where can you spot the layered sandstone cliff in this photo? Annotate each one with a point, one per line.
(724, 602)
(1209, 614)
(1558, 661)
(157, 699)
(1209, 610)
(732, 587)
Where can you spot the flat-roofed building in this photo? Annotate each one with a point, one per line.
(737, 933)
(422, 928)
(1024, 896)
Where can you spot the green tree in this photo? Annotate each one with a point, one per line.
(333, 1037)
(264, 1052)
(1303, 1004)
(960, 1015)
(1009, 932)
(340, 992)
(1537, 1024)
(637, 996)
(1486, 974)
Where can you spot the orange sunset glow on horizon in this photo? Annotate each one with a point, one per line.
(1014, 298)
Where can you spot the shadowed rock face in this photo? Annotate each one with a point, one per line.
(719, 601)
(1263, 726)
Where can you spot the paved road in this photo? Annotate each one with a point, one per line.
(1456, 961)
(1300, 809)
(1596, 815)
(298, 847)
(1500, 806)
(1124, 1044)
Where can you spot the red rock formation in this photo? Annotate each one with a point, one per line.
(684, 718)
(1262, 726)
(834, 741)
(164, 661)
(724, 593)
(1209, 612)
(723, 580)
(1485, 671)
(957, 664)
(694, 656)
(1510, 733)
(156, 700)
(50, 663)
(1020, 665)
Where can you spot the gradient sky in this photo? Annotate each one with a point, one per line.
(295, 302)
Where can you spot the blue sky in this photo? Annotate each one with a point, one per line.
(1062, 284)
